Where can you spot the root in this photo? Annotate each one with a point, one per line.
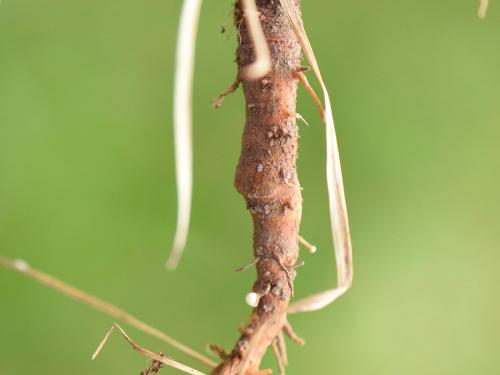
(287, 328)
(217, 102)
(302, 78)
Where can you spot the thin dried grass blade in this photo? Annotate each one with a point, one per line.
(147, 353)
(262, 64)
(183, 125)
(103, 342)
(100, 305)
(483, 7)
(336, 196)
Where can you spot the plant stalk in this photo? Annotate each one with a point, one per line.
(266, 177)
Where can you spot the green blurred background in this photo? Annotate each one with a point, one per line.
(87, 185)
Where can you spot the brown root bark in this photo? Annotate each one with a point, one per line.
(267, 179)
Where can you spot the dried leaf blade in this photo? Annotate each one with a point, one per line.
(336, 195)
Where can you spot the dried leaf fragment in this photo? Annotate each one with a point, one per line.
(337, 203)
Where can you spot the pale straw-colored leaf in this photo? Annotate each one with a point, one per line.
(186, 41)
(147, 353)
(103, 342)
(100, 305)
(483, 7)
(337, 203)
(262, 64)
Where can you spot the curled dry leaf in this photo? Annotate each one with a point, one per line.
(147, 353)
(336, 196)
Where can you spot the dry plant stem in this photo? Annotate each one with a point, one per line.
(100, 305)
(267, 179)
(156, 357)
